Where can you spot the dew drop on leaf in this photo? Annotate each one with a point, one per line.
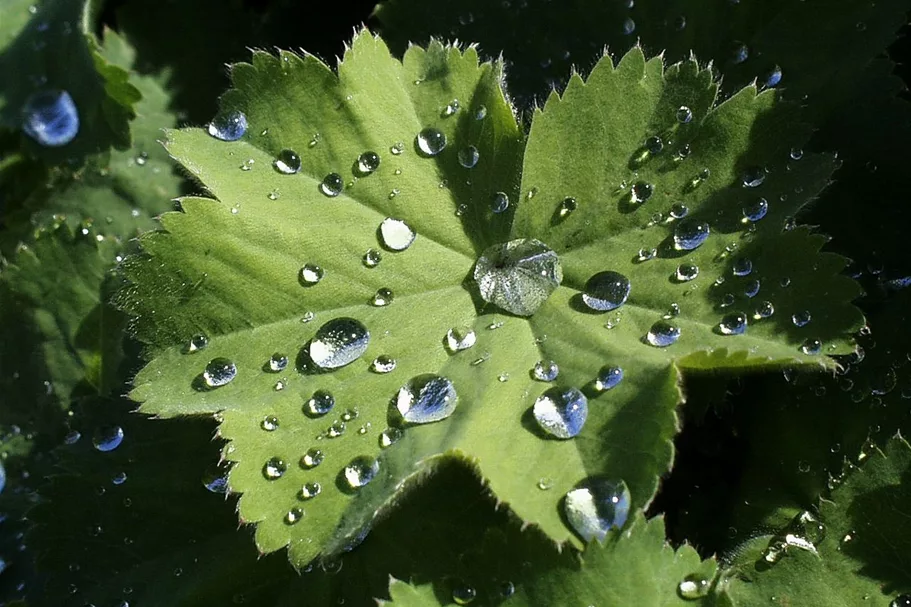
(753, 177)
(270, 423)
(219, 372)
(469, 156)
(430, 142)
(228, 126)
(764, 310)
(339, 342)
(646, 254)
(606, 291)
(372, 258)
(690, 234)
(274, 468)
(686, 272)
(640, 192)
(545, 370)
(684, 114)
(596, 506)
(293, 516)
(396, 234)
(320, 403)
(389, 437)
(566, 207)
(752, 288)
(796, 154)
(678, 210)
(608, 378)
(773, 77)
(311, 459)
(518, 276)
(500, 202)
(742, 267)
(811, 347)
(734, 323)
(629, 26)
(902, 600)
(480, 113)
(367, 163)
(107, 438)
(383, 364)
(654, 145)
(51, 118)
(426, 398)
(288, 162)
(361, 471)
(332, 185)
(311, 274)
(693, 587)
(462, 593)
(460, 338)
(662, 334)
(739, 53)
(310, 490)
(197, 342)
(561, 412)
(337, 429)
(278, 362)
(801, 319)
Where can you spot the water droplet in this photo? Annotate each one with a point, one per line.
(545, 370)
(640, 192)
(273, 195)
(693, 587)
(396, 234)
(679, 210)
(332, 185)
(460, 338)
(337, 429)
(293, 516)
(468, 157)
(481, 113)
(228, 126)
(51, 118)
(740, 52)
(246, 166)
(312, 458)
(383, 364)
(545, 483)
(606, 291)
(367, 163)
(462, 593)
(431, 142)
(451, 108)
(269, 423)
(383, 297)
(608, 378)
(902, 600)
(361, 471)
(654, 145)
(197, 343)
(796, 153)
(518, 276)
(684, 114)
(339, 342)
(507, 589)
(389, 437)
(752, 288)
(629, 26)
(800, 319)
(773, 77)
(309, 491)
(426, 398)
(219, 372)
(72, 437)
(307, 317)
(107, 438)
(811, 347)
(883, 382)
(287, 163)
(742, 267)
(397, 148)
(734, 323)
(311, 274)
(561, 412)
(372, 258)
(320, 403)
(278, 362)
(764, 310)
(753, 177)
(500, 202)
(566, 207)
(646, 254)
(274, 468)
(662, 334)
(596, 506)
(690, 234)
(686, 272)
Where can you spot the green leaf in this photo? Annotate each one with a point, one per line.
(49, 46)
(228, 268)
(863, 555)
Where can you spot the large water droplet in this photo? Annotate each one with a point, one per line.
(460, 338)
(690, 234)
(274, 468)
(500, 202)
(518, 276)
(606, 291)
(545, 370)
(367, 163)
(361, 471)
(596, 506)
(608, 378)
(311, 274)
(228, 126)
(107, 438)
(469, 156)
(396, 234)
(320, 403)
(287, 163)
(662, 334)
(686, 272)
(734, 323)
(431, 142)
(755, 211)
(339, 342)
(50, 118)
(561, 412)
(426, 398)
(332, 185)
(219, 372)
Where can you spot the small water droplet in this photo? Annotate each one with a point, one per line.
(468, 156)
(662, 334)
(219, 372)
(690, 234)
(278, 362)
(693, 587)
(288, 162)
(742, 267)
(314, 141)
(339, 342)
(734, 323)
(396, 234)
(679, 210)
(567, 207)
(629, 26)
(597, 506)
(902, 600)
(608, 378)
(310, 490)
(561, 412)
(361, 471)
(686, 272)
(684, 114)
(481, 113)
(752, 288)
(431, 142)
(796, 154)
(72, 437)
(228, 126)
(764, 310)
(337, 429)
(462, 593)
(654, 145)
(426, 398)
(312, 458)
(773, 77)
(640, 192)
(372, 258)
(545, 483)
(500, 202)
(383, 297)
(320, 403)
(107, 438)
(811, 347)
(740, 52)
(451, 108)
(273, 195)
(270, 423)
(274, 468)
(350, 414)
(606, 291)
(383, 364)
(460, 338)
(293, 516)
(311, 274)
(518, 276)
(332, 185)
(801, 319)
(753, 177)
(646, 254)
(197, 342)
(389, 437)
(545, 370)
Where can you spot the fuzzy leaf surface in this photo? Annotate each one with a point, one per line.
(228, 268)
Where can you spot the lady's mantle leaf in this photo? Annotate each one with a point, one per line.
(230, 269)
